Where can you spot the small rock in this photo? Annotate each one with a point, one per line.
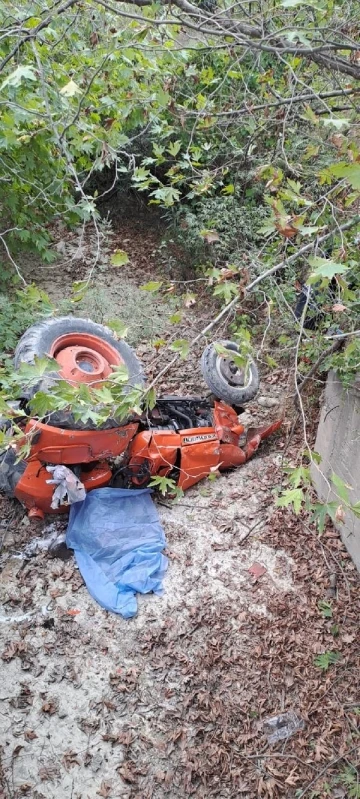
(96, 762)
(246, 419)
(268, 402)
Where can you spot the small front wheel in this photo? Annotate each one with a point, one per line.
(227, 381)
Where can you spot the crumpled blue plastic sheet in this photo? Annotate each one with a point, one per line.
(118, 541)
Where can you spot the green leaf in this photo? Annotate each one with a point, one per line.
(299, 475)
(104, 395)
(42, 403)
(229, 189)
(175, 318)
(118, 327)
(166, 485)
(119, 374)
(349, 171)
(308, 230)
(182, 346)
(325, 608)
(70, 89)
(336, 122)
(326, 659)
(166, 194)
(356, 509)
(293, 496)
(20, 73)
(297, 35)
(293, 3)
(119, 258)
(321, 511)
(240, 359)
(140, 174)
(309, 114)
(174, 147)
(325, 268)
(153, 285)
(342, 489)
(226, 290)
(40, 367)
(150, 398)
(163, 98)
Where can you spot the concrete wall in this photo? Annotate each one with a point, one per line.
(338, 443)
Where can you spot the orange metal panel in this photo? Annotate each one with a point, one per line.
(34, 492)
(55, 445)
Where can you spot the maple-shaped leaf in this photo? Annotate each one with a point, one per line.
(70, 89)
(325, 268)
(210, 236)
(104, 790)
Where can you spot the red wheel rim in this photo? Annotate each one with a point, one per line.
(84, 358)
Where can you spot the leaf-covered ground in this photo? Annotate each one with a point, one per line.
(174, 702)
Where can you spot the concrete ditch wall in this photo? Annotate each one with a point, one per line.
(338, 443)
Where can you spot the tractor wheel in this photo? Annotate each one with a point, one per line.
(85, 352)
(226, 380)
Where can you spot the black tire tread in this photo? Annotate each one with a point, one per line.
(37, 341)
(233, 395)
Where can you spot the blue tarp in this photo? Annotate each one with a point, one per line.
(118, 542)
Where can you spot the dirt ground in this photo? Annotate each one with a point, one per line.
(174, 702)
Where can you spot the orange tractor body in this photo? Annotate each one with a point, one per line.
(188, 455)
(181, 438)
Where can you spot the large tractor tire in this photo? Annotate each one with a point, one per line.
(85, 352)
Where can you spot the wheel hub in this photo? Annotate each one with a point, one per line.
(230, 372)
(84, 358)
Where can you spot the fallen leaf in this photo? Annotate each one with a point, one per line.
(25, 787)
(14, 649)
(340, 514)
(287, 230)
(189, 300)
(119, 258)
(337, 140)
(104, 790)
(257, 570)
(225, 274)
(348, 638)
(70, 759)
(73, 612)
(29, 735)
(126, 773)
(49, 771)
(49, 706)
(94, 38)
(55, 592)
(338, 307)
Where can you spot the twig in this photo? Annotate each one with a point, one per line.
(315, 366)
(244, 537)
(301, 98)
(307, 248)
(324, 770)
(344, 335)
(34, 32)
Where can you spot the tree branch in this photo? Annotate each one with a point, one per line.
(329, 351)
(253, 37)
(301, 98)
(35, 31)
